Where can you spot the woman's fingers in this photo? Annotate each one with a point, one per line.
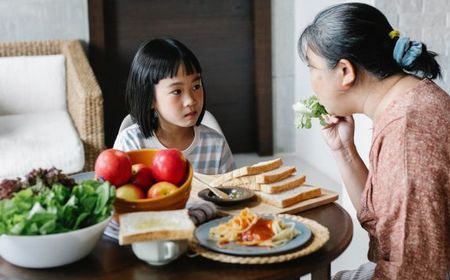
(349, 119)
(330, 120)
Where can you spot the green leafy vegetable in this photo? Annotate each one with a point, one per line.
(306, 110)
(56, 208)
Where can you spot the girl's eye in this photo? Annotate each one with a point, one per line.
(196, 87)
(176, 92)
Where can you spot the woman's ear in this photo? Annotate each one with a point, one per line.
(347, 71)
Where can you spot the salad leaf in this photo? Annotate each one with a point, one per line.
(308, 109)
(56, 208)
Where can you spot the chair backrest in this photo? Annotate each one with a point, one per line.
(208, 119)
(126, 122)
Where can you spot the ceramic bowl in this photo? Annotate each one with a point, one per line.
(159, 252)
(176, 200)
(51, 250)
(242, 194)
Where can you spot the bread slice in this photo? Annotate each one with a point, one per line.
(275, 175)
(283, 185)
(258, 168)
(248, 182)
(287, 198)
(155, 225)
(219, 181)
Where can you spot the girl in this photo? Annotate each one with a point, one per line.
(359, 64)
(165, 98)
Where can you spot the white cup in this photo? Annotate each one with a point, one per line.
(159, 252)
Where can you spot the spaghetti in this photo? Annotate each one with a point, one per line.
(248, 229)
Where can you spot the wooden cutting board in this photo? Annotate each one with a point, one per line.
(259, 207)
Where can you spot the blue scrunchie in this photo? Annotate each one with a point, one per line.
(406, 51)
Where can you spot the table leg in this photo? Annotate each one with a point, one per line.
(322, 273)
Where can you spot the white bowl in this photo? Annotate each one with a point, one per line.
(43, 251)
(159, 252)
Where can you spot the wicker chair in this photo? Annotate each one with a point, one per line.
(84, 97)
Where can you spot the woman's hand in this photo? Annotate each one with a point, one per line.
(339, 132)
(339, 135)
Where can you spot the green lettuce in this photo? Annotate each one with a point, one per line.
(45, 210)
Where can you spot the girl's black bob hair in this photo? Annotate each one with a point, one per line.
(156, 60)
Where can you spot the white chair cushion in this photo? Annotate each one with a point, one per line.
(30, 141)
(210, 121)
(32, 84)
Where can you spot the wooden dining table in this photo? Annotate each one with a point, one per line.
(111, 261)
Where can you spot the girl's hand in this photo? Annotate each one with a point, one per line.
(339, 132)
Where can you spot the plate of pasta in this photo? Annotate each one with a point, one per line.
(248, 234)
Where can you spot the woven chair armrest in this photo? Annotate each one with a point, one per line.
(84, 101)
(30, 48)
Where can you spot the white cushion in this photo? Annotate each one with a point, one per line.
(44, 140)
(32, 84)
(210, 121)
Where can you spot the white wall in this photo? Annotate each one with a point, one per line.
(283, 74)
(25, 20)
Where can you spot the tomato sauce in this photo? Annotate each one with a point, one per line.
(259, 231)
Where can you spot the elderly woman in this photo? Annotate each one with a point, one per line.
(359, 64)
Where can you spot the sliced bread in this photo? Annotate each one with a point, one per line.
(287, 198)
(257, 168)
(275, 175)
(283, 185)
(222, 179)
(155, 225)
(248, 182)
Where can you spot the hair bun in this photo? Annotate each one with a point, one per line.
(406, 51)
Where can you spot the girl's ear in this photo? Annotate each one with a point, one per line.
(347, 71)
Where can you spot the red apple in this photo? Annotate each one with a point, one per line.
(161, 189)
(169, 165)
(113, 166)
(142, 176)
(129, 192)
